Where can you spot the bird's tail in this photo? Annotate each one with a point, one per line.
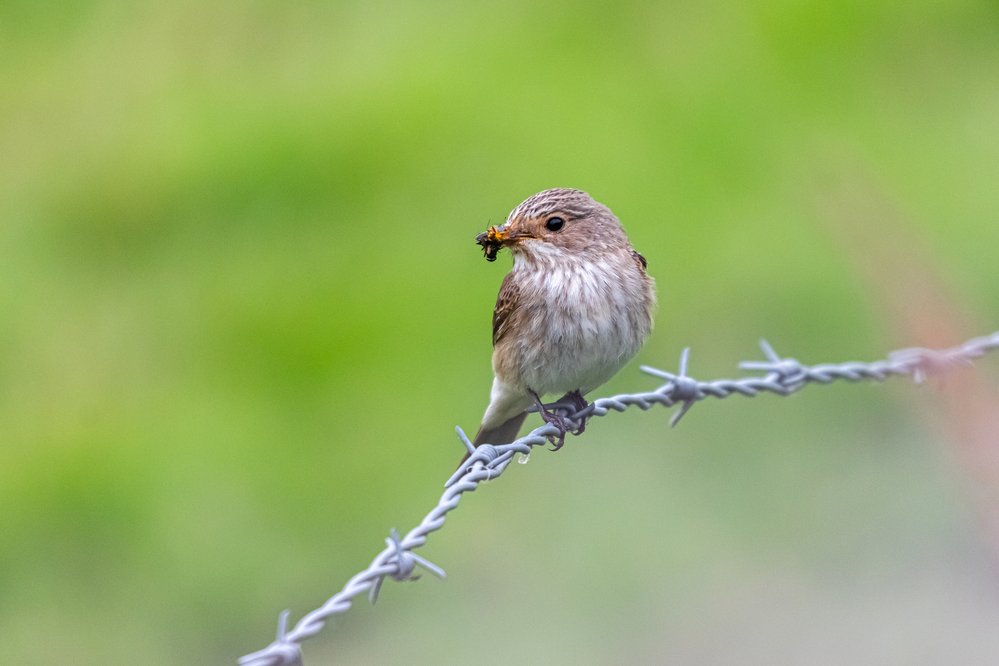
(504, 433)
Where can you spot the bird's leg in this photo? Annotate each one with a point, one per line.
(563, 424)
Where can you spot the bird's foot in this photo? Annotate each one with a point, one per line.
(563, 423)
(579, 404)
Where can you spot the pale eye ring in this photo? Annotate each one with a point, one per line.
(554, 223)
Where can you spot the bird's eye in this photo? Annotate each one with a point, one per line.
(554, 223)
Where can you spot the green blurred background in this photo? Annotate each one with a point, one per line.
(241, 312)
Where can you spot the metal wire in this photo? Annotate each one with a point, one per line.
(783, 376)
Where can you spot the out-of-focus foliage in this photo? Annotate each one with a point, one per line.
(241, 311)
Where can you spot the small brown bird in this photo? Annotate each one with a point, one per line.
(576, 306)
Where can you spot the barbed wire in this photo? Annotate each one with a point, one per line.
(784, 376)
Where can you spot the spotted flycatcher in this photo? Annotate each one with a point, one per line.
(576, 306)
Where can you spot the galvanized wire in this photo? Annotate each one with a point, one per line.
(783, 376)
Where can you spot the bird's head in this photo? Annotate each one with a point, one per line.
(555, 222)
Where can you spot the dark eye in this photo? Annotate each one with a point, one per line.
(554, 223)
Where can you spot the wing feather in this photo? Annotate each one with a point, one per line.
(506, 304)
(640, 260)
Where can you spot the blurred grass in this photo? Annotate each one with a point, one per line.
(240, 312)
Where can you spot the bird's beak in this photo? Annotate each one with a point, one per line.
(501, 235)
(495, 238)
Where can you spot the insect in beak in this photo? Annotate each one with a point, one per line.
(492, 240)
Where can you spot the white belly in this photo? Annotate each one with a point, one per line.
(589, 324)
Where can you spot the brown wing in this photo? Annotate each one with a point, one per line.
(506, 304)
(640, 259)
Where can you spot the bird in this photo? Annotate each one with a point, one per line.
(576, 306)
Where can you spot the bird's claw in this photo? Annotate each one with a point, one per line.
(579, 404)
(563, 423)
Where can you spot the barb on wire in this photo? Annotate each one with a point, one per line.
(783, 376)
(405, 562)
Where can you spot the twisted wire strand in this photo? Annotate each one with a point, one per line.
(783, 376)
